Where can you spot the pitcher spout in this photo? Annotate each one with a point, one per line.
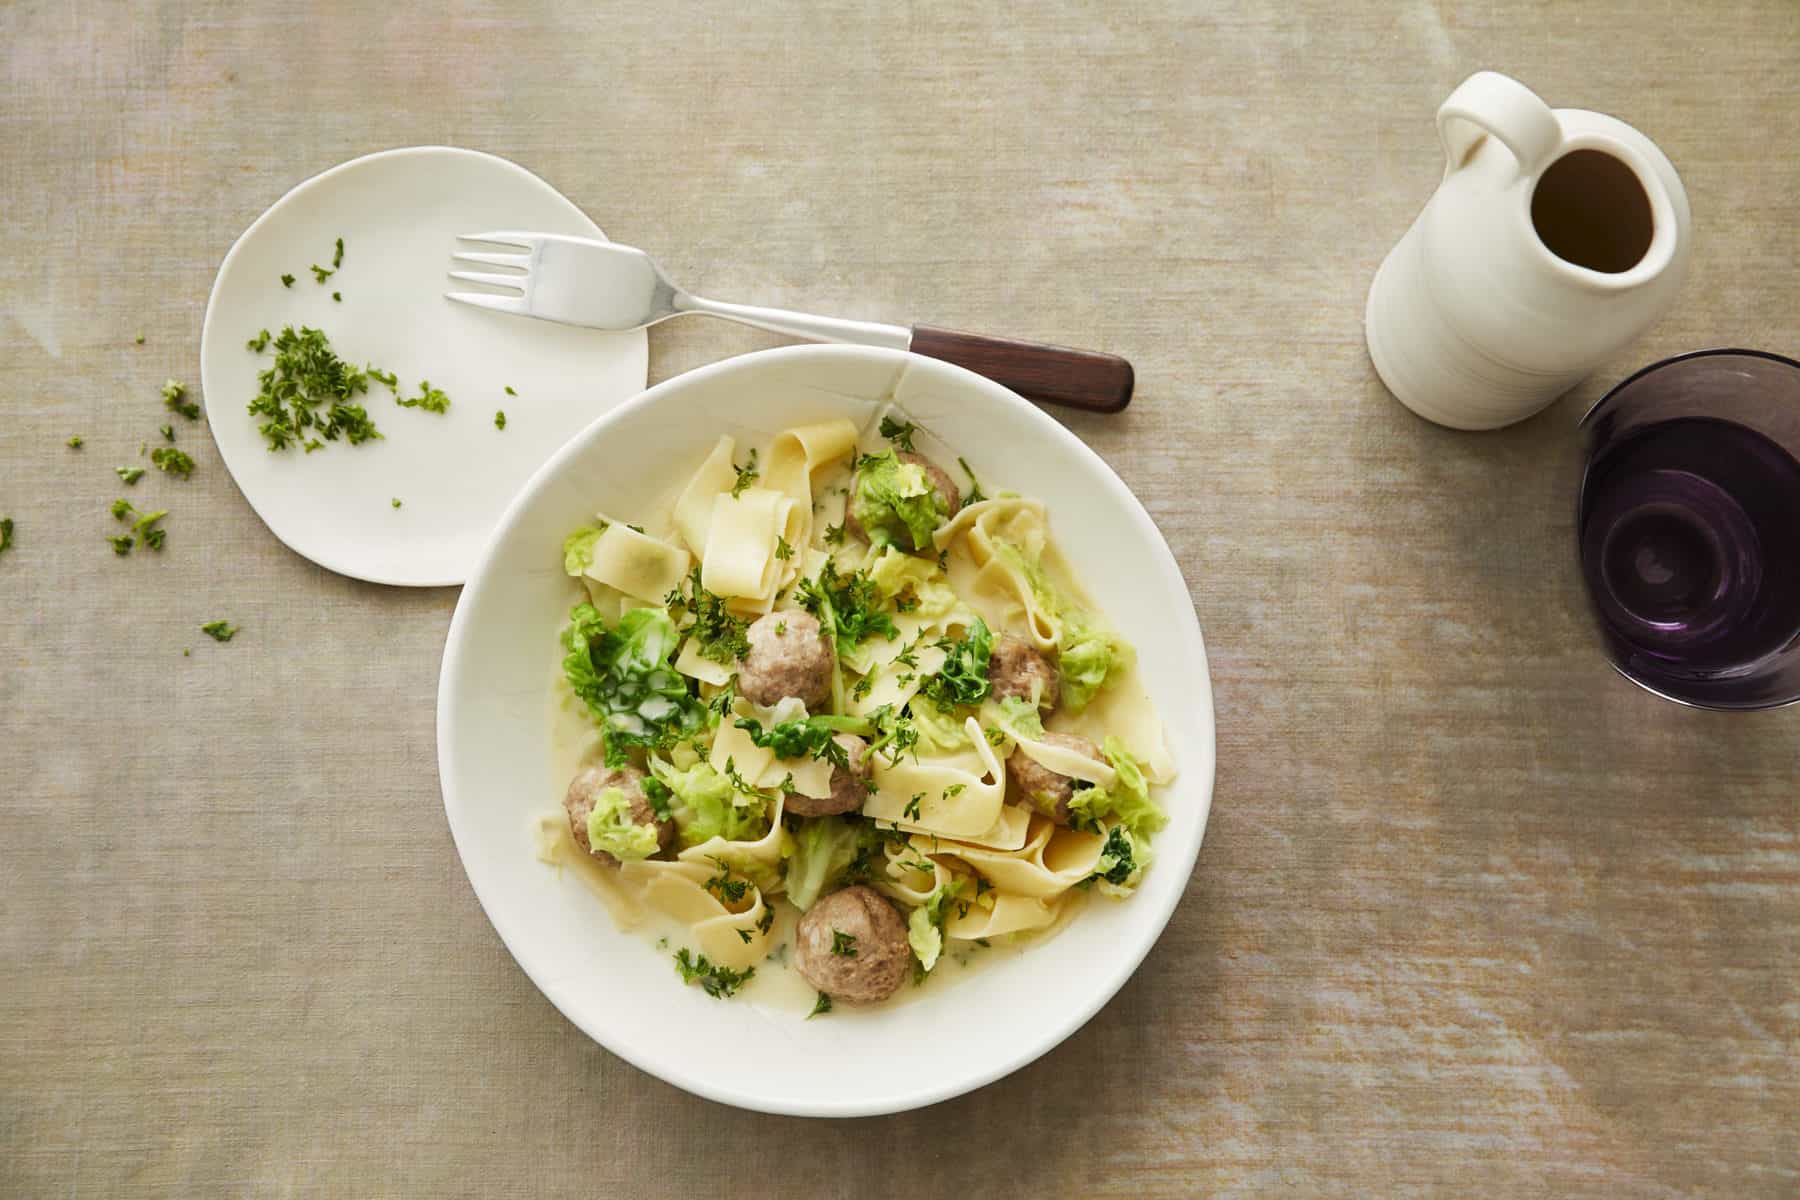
(1608, 214)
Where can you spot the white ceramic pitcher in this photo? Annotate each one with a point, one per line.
(1554, 239)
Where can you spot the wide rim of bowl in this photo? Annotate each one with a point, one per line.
(1155, 920)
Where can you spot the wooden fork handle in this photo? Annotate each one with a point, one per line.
(1081, 379)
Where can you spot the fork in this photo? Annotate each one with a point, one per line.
(603, 285)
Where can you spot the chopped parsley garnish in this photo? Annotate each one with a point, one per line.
(746, 474)
(172, 461)
(843, 945)
(725, 887)
(745, 787)
(139, 339)
(720, 705)
(145, 529)
(6, 534)
(911, 811)
(396, 502)
(321, 274)
(122, 544)
(391, 380)
(783, 551)
(717, 982)
(74, 443)
(804, 737)
(175, 399)
(849, 606)
(862, 687)
(509, 391)
(975, 496)
(309, 376)
(718, 634)
(129, 474)
(834, 534)
(955, 790)
(767, 921)
(338, 297)
(168, 432)
(499, 419)
(895, 733)
(820, 1006)
(429, 398)
(121, 508)
(862, 864)
(219, 631)
(899, 432)
(259, 343)
(337, 255)
(287, 281)
(963, 678)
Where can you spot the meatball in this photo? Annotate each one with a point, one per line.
(1016, 666)
(940, 482)
(587, 786)
(848, 788)
(873, 957)
(1050, 792)
(788, 656)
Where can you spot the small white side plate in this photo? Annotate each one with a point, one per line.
(399, 213)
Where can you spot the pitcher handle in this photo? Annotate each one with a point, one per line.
(1488, 102)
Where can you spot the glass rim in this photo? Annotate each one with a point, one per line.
(1675, 359)
(1690, 702)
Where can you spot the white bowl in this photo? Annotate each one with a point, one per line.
(495, 759)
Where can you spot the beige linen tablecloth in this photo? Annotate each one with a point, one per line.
(1473, 915)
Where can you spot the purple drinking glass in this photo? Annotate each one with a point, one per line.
(1689, 527)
